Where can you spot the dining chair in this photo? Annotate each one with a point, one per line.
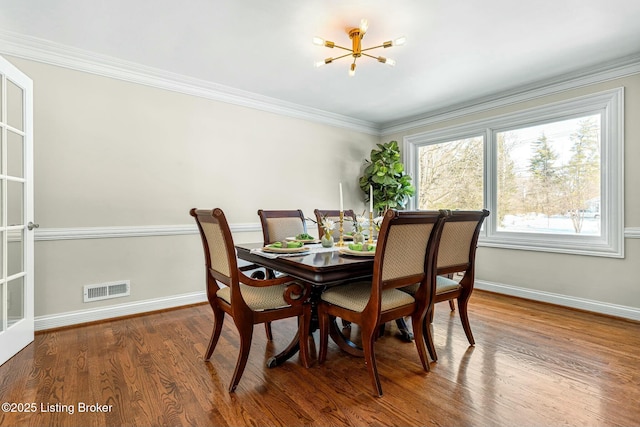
(277, 225)
(456, 254)
(247, 300)
(405, 254)
(347, 221)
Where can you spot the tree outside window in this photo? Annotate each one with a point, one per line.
(549, 177)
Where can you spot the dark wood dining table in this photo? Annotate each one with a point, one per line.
(320, 269)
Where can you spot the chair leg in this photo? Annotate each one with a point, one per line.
(304, 326)
(418, 323)
(268, 331)
(323, 320)
(218, 320)
(452, 306)
(368, 341)
(427, 333)
(464, 317)
(246, 333)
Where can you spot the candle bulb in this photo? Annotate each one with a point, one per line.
(341, 203)
(370, 198)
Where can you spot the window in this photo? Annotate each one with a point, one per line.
(450, 174)
(548, 177)
(551, 176)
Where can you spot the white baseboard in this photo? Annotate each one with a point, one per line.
(609, 309)
(103, 313)
(108, 312)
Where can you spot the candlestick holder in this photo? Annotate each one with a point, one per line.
(341, 241)
(370, 228)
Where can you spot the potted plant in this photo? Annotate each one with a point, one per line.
(385, 172)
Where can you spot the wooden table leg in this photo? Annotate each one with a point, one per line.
(286, 354)
(345, 344)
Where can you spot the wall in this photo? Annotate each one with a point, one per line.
(112, 155)
(600, 284)
(109, 153)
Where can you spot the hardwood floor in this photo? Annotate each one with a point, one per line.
(533, 364)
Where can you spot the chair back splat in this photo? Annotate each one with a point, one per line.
(348, 217)
(277, 225)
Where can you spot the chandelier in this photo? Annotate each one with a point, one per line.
(356, 35)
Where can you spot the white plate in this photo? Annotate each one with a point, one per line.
(347, 251)
(293, 239)
(285, 250)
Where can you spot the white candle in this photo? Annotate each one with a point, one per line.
(370, 198)
(341, 204)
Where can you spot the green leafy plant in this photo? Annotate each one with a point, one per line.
(385, 172)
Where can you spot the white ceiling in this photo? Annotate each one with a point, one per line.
(457, 51)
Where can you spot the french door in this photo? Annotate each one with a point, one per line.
(16, 210)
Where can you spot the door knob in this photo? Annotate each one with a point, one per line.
(31, 225)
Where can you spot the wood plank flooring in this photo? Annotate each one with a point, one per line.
(533, 364)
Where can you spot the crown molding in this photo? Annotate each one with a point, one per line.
(40, 50)
(588, 76)
(36, 49)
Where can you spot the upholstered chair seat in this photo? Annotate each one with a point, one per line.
(443, 284)
(356, 296)
(258, 299)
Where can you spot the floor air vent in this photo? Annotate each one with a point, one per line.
(106, 290)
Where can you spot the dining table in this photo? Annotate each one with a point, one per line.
(321, 268)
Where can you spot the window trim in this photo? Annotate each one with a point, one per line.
(610, 104)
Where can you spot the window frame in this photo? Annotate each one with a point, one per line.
(610, 104)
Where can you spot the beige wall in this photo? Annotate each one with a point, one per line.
(606, 280)
(112, 153)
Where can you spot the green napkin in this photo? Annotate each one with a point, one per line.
(362, 247)
(287, 245)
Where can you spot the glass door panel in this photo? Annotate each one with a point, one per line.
(15, 203)
(15, 251)
(2, 310)
(15, 152)
(2, 254)
(15, 301)
(15, 105)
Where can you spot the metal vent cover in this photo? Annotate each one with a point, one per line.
(107, 290)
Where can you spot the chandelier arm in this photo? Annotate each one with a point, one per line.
(340, 57)
(370, 56)
(343, 48)
(371, 48)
